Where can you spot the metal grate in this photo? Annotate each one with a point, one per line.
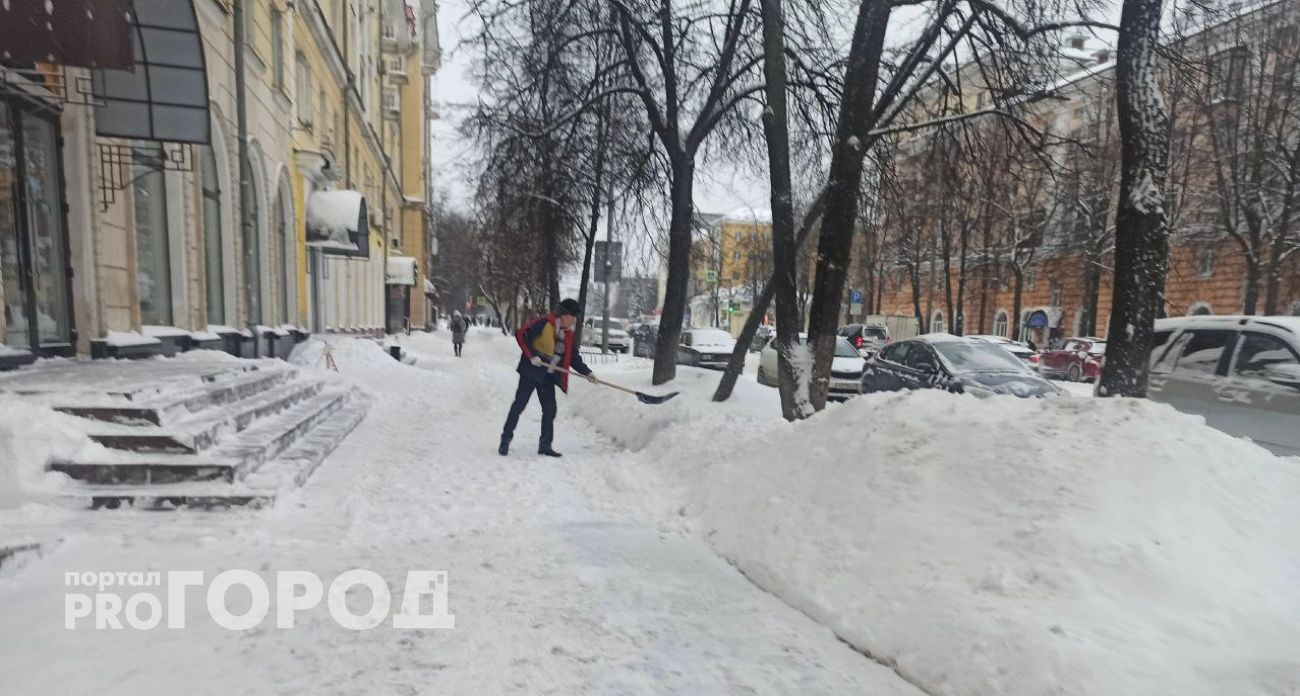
(116, 161)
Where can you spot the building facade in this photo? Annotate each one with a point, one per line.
(128, 237)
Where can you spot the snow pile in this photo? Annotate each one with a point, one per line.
(30, 437)
(1002, 546)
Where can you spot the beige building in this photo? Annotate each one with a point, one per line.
(134, 236)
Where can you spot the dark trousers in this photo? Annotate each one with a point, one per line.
(545, 395)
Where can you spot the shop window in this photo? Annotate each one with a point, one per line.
(152, 245)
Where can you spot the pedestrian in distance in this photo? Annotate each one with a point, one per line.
(458, 328)
(547, 346)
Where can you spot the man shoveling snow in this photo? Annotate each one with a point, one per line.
(548, 356)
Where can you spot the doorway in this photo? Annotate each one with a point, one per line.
(34, 258)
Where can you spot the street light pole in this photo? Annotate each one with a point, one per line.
(609, 249)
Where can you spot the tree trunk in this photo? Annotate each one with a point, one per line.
(844, 185)
(736, 363)
(1272, 281)
(1091, 296)
(1141, 235)
(794, 401)
(1250, 291)
(1016, 299)
(679, 269)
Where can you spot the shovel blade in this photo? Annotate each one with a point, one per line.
(651, 399)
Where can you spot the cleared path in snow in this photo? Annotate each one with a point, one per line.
(559, 582)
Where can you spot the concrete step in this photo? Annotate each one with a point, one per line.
(199, 433)
(304, 436)
(234, 456)
(164, 409)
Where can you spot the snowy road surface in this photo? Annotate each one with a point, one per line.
(560, 581)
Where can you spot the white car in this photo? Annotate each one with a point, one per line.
(593, 334)
(1021, 350)
(1242, 374)
(705, 348)
(846, 367)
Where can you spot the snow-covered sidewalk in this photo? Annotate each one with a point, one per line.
(561, 578)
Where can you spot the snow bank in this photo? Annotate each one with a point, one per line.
(31, 436)
(998, 546)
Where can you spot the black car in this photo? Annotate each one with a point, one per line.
(867, 340)
(644, 337)
(953, 363)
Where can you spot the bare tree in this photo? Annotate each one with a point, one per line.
(1141, 233)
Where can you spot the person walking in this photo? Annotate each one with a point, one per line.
(546, 343)
(458, 328)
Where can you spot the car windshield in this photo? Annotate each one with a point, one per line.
(973, 356)
(613, 325)
(701, 337)
(875, 332)
(844, 349)
(1097, 348)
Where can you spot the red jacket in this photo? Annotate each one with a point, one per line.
(538, 338)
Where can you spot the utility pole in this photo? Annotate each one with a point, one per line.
(609, 250)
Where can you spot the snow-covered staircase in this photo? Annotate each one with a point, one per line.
(222, 432)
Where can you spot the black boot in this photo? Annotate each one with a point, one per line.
(504, 449)
(548, 452)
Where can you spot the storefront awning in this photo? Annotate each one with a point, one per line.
(337, 222)
(165, 96)
(401, 270)
(80, 33)
(1044, 317)
(429, 289)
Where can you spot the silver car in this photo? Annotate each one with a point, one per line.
(1241, 373)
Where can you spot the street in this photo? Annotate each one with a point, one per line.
(560, 579)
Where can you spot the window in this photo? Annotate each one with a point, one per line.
(152, 246)
(1158, 341)
(1056, 296)
(1228, 74)
(1295, 309)
(1257, 352)
(1000, 324)
(1199, 309)
(936, 323)
(277, 48)
(920, 358)
(1205, 263)
(212, 247)
(1202, 351)
(302, 90)
(896, 353)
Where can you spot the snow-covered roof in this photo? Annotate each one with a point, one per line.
(759, 216)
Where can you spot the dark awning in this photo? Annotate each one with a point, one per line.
(166, 96)
(81, 33)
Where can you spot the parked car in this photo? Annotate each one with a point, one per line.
(705, 348)
(867, 339)
(1075, 359)
(644, 337)
(1020, 349)
(761, 338)
(955, 363)
(593, 331)
(846, 367)
(1242, 374)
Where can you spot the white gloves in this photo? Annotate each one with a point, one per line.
(592, 378)
(536, 361)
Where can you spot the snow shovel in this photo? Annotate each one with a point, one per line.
(640, 396)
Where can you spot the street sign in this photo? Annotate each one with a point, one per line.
(855, 297)
(710, 276)
(607, 262)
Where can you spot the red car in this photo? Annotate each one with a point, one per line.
(1076, 359)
